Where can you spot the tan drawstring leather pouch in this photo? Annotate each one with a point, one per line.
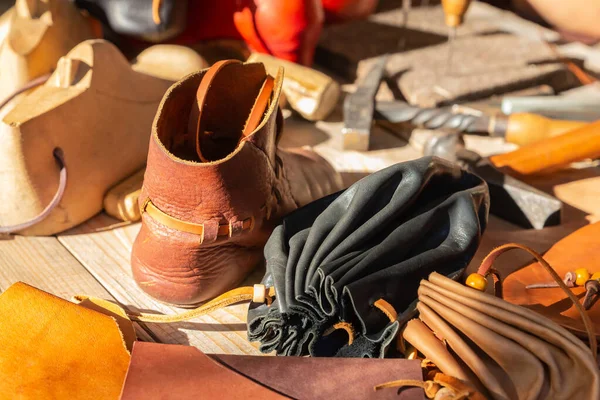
(60, 350)
(504, 350)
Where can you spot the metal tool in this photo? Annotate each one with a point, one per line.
(511, 199)
(360, 108)
(565, 107)
(406, 6)
(454, 11)
(521, 129)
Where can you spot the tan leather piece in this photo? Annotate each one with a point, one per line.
(99, 112)
(514, 352)
(54, 349)
(250, 181)
(159, 371)
(578, 250)
(39, 33)
(433, 349)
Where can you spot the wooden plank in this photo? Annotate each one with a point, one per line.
(105, 252)
(44, 263)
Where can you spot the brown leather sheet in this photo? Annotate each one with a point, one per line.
(159, 371)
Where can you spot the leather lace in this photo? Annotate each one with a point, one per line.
(29, 85)
(58, 155)
(258, 293)
(486, 267)
(62, 185)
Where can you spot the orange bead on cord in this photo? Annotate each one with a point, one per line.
(595, 276)
(477, 281)
(582, 275)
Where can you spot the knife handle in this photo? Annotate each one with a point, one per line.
(553, 153)
(526, 128)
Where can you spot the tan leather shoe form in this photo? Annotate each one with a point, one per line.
(99, 112)
(216, 184)
(36, 34)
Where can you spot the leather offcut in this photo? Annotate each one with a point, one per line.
(332, 260)
(159, 371)
(54, 349)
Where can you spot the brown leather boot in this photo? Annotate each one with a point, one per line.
(216, 184)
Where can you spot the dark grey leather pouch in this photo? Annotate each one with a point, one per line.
(331, 260)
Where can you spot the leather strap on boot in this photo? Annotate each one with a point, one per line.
(62, 185)
(222, 230)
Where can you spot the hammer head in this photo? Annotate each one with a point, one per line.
(359, 108)
(510, 199)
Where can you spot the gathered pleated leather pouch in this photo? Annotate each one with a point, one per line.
(343, 267)
(51, 348)
(504, 350)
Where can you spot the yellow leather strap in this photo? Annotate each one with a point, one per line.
(238, 295)
(225, 230)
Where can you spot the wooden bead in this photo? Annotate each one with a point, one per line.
(596, 276)
(582, 276)
(477, 281)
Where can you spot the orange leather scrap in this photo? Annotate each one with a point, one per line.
(51, 348)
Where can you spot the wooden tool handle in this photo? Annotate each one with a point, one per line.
(311, 93)
(454, 11)
(553, 153)
(526, 128)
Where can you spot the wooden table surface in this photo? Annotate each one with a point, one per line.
(93, 258)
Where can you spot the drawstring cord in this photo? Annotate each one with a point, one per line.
(256, 294)
(486, 268)
(29, 85)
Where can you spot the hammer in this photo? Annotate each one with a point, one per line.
(360, 109)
